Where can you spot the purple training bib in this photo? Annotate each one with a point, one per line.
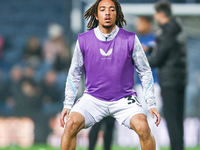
(109, 67)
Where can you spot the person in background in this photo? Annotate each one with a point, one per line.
(56, 52)
(107, 136)
(29, 73)
(55, 44)
(27, 100)
(51, 95)
(62, 62)
(14, 81)
(169, 56)
(143, 27)
(33, 52)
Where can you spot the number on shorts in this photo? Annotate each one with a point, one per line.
(131, 99)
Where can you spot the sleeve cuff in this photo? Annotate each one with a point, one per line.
(152, 106)
(68, 106)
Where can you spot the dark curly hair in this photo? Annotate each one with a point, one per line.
(89, 14)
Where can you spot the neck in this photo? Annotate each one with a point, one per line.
(106, 30)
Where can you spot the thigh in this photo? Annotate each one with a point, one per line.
(124, 109)
(76, 121)
(92, 109)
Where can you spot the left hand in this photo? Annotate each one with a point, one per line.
(154, 111)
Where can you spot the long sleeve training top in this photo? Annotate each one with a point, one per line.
(141, 64)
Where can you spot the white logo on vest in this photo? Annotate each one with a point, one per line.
(106, 54)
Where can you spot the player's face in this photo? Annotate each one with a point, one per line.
(106, 15)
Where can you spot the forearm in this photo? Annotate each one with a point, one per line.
(144, 72)
(74, 77)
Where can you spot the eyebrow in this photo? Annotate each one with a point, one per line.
(105, 7)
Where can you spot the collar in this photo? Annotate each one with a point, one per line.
(106, 37)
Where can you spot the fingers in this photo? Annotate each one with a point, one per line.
(156, 113)
(62, 122)
(64, 113)
(158, 118)
(152, 114)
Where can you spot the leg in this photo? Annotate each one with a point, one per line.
(173, 100)
(108, 134)
(72, 127)
(94, 134)
(140, 125)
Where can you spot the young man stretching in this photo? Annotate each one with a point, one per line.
(109, 54)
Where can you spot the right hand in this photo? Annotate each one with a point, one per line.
(65, 112)
(145, 48)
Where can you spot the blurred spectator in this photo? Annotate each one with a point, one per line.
(29, 73)
(55, 44)
(62, 61)
(51, 96)
(147, 38)
(32, 52)
(170, 58)
(27, 100)
(13, 86)
(23, 93)
(16, 76)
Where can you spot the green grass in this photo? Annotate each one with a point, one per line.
(45, 147)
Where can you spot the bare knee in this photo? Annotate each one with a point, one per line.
(72, 127)
(140, 125)
(143, 130)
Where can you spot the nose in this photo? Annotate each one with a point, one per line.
(107, 11)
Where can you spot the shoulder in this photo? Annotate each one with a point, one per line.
(173, 27)
(87, 33)
(84, 38)
(130, 36)
(127, 33)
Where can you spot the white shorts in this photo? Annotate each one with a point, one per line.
(94, 109)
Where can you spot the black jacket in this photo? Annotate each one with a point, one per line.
(170, 55)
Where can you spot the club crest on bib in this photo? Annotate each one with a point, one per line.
(106, 54)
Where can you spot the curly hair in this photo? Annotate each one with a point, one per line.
(89, 14)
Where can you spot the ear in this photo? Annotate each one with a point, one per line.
(96, 17)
